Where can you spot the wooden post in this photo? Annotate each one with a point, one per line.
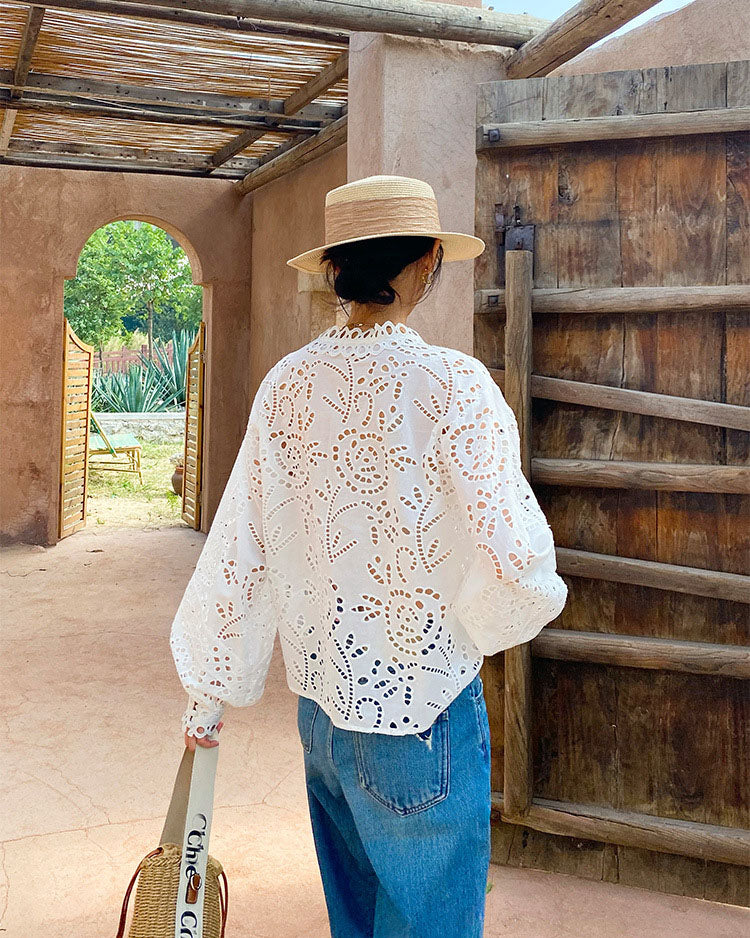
(518, 772)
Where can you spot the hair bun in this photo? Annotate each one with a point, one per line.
(364, 269)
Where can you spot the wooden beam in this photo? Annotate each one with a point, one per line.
(207, 20)
(626, 127)
(26, 50)
(401, 17)
(663, 576)
(19, 74)
(6, 129)
(657, 477)
(304, 152)
(643, 651)
(34, 100)
(191, 101)
(518, 776)
(71, 155)
(331, 75)
(574, 31)
(233, 147)
(670, 407)
(312, 89)
(630, 829)
(627, 300)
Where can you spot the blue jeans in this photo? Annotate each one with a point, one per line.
(402, 823)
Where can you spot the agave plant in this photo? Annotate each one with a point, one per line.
(172, 373)
(138, 389)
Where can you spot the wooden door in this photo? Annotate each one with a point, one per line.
(191, 483)
(78, 361)
(620, 734)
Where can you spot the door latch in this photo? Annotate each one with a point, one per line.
(510, 236)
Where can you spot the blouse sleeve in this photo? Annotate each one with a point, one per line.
(223, 634)
(511, 589)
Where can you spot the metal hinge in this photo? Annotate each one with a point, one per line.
(510, 235)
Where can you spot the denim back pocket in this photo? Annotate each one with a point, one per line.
(307, 710)
(407, 773)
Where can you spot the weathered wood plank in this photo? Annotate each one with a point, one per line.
(629, 400)
(657, 575)
(321, 82)
(665, 477)
(161, 114)
(669, 835)
(643, 651)
(6, 129)
(404, 17)
(518, 775)
(33, 24)
(72, 155)
(193, 101)
(196, 17)
(628, 300)
(565, 132)
(302, 153)
(574, 31)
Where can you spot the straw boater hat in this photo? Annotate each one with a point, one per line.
(381, 206)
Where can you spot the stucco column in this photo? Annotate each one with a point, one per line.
(412, 112)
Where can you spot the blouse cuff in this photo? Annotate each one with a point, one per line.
(200, 719)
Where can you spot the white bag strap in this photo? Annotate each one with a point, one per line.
(188, 823)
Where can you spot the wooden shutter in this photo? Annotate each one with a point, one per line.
(619, 208)
(76, 414)
(191, 484)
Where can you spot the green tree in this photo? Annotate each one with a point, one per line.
(133, 273)
(93, 300)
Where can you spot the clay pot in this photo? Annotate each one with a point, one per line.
(177, 477)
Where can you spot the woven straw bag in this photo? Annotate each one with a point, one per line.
(160, 908)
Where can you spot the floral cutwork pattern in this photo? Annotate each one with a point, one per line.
(378, 520)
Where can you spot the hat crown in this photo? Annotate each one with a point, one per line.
(377, 206)
(380, 187)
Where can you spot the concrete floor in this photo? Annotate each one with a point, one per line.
(92, 741)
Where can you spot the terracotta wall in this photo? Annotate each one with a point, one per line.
(287, 219)
(412, 112)
(46, 216)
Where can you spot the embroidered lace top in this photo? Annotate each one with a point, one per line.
(378, 519)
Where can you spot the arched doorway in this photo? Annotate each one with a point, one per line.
(134, 312)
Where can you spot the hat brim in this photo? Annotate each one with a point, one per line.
(456, 247)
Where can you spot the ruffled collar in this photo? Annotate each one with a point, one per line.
(379, 331)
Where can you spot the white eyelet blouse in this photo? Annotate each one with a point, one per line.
(376, 518)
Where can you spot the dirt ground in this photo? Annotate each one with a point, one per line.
(91, 743)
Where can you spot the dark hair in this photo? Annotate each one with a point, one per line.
(362, 270)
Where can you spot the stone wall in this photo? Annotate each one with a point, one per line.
(148, 428)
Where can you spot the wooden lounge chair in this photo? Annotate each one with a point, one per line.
(118, 452)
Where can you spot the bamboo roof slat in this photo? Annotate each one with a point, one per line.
(67, 127)
(117, 48)
(169, 92)
(12, 25)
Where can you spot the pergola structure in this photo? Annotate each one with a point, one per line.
(237, 89)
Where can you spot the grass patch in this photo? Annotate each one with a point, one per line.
(118, 498)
